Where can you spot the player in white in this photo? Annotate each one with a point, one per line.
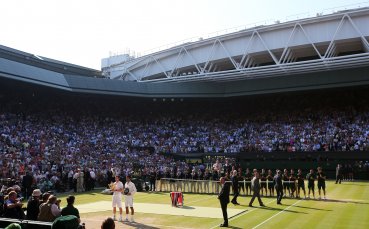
(117, 188)
(131, 190)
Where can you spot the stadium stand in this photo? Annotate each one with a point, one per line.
(54, 132)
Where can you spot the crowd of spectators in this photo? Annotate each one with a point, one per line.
(46, 144)
(75, 147)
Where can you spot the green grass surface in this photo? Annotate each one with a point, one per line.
(347, 207)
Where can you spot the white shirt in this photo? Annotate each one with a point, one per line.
(70, 174)
(55, 210)
(118, 188)
(131, 186)
(92, 174)
(217, 166)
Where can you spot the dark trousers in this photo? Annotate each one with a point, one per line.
(256, 194)
(339, 179)
(236, 194)
(248, 187)
(70, 183)
(279, 194)
(152, 185)
(241, 187)
(223, 205)
(75, 185)
(27, 192)
(92, 183)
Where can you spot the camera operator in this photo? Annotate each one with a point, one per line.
(13, 207)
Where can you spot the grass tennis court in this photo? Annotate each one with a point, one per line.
(347, 206)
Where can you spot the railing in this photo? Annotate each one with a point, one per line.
(208, 186)
(29, 224)
(324, 64)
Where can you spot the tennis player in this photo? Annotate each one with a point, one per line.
(129, 191)
(117, 189)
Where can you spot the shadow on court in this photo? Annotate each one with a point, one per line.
(338, 201)
(354, 184)
(139, 225)
(157, 193)
(187, 207)
(238, 214)
(279, 209)
(242, 205)
(319, 209)
(345, 201)
(230, 226)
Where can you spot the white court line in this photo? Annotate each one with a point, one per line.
(249, 211)
(276, 214)
(242, 214)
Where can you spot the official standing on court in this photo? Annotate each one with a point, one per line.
(277, 180)
(338, 173)
(224, 197)
(235, 187)
(311, 182)
(255, 185)
(321, 182)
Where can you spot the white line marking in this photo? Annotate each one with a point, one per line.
(276, 215)
(249, 211)
(242, 214)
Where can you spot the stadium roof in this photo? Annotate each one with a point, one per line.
(47, 63)
(342, 62)
(322, 43)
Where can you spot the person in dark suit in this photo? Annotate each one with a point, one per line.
(321, 177)
(227, 167)
(255, 184)
(235, 187)
(27, 183)
(311, 182)
(277, 180)
(248, 177)
(224, 197)
(109, 175)
(152, 180)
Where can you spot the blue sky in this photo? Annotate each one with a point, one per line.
(84, 31)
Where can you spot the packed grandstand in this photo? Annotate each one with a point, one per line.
(53, 134)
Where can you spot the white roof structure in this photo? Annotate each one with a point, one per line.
(322, 43)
